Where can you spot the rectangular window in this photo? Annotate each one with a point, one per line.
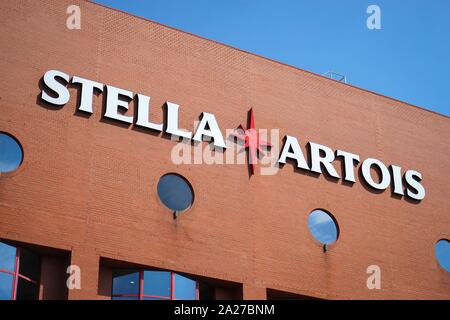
(121, 280)
(125, 282)
(27, 290)
(139, 284)
(157, 284)
(7, 257)
(6, 286)
(26, 274)
(184, 288)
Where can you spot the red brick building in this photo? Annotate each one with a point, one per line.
(86, 191)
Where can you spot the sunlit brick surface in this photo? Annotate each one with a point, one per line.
(89, 186)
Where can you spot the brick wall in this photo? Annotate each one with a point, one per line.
(89, 186)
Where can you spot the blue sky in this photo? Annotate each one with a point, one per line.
(408, 59)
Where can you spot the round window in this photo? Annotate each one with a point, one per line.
(442, 251)
(323, 227)
(175, 192)
(11, 154)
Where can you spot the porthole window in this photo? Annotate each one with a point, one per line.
(442, 252)
(11, 154)
(323, 227)
(175, 192)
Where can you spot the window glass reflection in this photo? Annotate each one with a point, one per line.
(6, 284)
(157, 283)
(7, 257)
(185, 288)
(20, 268)
(133, 284)
(10, 153)
(125, 298)
(323, 227)
(125, 282)
(442, 251)
(150, 298)
(175, 192)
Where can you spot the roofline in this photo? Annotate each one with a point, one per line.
(269, 59)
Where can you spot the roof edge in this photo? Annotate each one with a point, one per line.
(270, 59)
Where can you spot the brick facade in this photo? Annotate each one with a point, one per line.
(88, 185)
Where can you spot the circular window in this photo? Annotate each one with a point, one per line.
(175, 192)
(442, 251)
(11, 154)
(323, 227)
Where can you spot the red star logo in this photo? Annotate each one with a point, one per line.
(252, 141)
